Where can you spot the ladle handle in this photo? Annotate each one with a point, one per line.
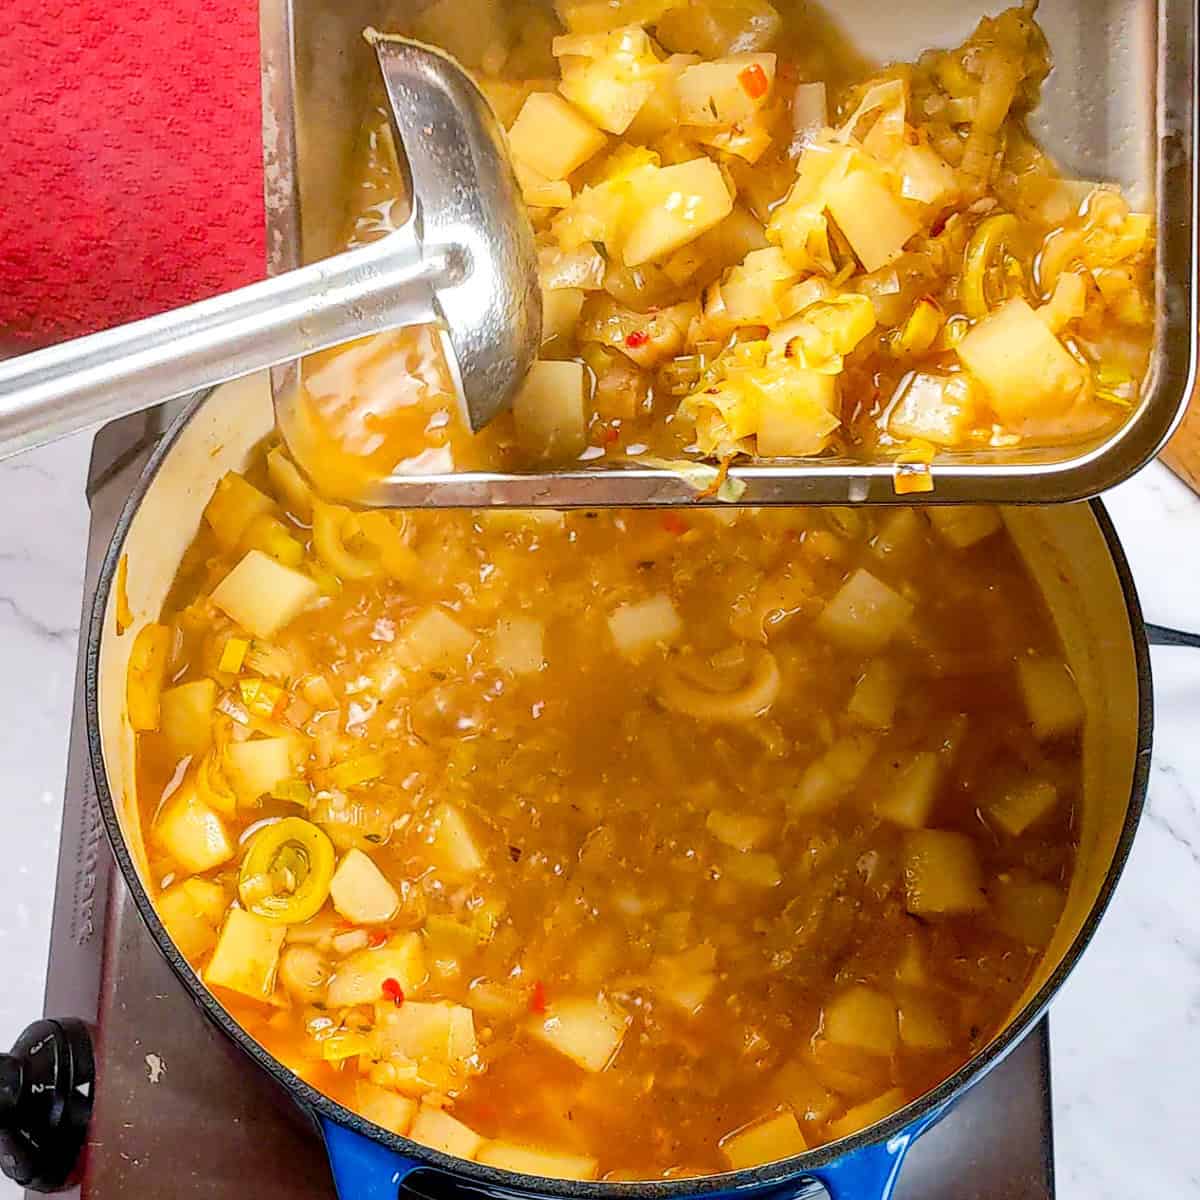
(49, 393)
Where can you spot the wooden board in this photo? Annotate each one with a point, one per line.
(1182, 453)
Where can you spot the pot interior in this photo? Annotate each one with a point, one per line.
(1065, 547)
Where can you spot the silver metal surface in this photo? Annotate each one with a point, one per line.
(467, 198)
(1120, 106)
(55, 391)
(464, 260)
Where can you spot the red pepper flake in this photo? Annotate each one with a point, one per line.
(674, 523)
(377, 938)
(393, 991)
(754, 81)
(537, 998)
(639, 337)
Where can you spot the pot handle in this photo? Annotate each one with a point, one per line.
(1160, 635)
(365, 1170)
(872, 1171)
(866, 1174)
(362, 1168)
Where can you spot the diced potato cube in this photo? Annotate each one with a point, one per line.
(797, 419)
(1024, 368)
(361, 892)
(638, 627)
(439, 1030)
(519, 645)
(385, 1108)
(863, 1115)
(449, 942)
(147, 670)
(908, 789)
(549, 413)
(438, 1129)
(561, 308)
(942, 409)
(752, 293)
(359, 977)
(851, 1072)
(739, 830)
(764, 1141)
(941, 873)
(465, 29)
(253, 768)
(191, 911)
(796, 1086)
(682, 202)
(912, 970)
(1022, 803)
(598, 90)
(588, 1030)
(922, 1027)
(247, 955)
(753, 869)
(539, 192)
(432, 640)
(686, 980)
(926, 176)
(234, 504)
(191, 832)
(1025, 908)
(900, 532)
(553, 137)
(263, 595)
(452, 846)
(873, 702)
(506, 97)
(271, 536)
(863, 1018)
(185, 716)
(659, 115)
(1052, 700)
(206, 898)
(962, 525)
(865, 614)
(875, 223)
(550, 1164)
(831, 776)
(727, 92)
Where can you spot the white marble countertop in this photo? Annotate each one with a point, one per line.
(1125, 1031)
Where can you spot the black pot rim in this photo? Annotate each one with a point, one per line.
(316, 1103)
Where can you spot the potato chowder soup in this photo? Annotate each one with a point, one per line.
(753, 243)
(629, 844)
(607, 844)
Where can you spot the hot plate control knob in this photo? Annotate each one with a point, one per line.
(46, 1086)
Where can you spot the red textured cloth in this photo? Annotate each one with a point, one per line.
(131, 172)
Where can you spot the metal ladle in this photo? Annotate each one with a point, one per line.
(464, 261)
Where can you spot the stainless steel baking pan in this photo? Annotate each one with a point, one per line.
(1120, 106)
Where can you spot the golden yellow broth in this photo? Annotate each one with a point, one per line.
(590, 803)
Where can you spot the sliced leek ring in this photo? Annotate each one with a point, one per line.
(986, 248)
(287, 870)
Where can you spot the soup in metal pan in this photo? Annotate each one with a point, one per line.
(607, 844)
(753, 243)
